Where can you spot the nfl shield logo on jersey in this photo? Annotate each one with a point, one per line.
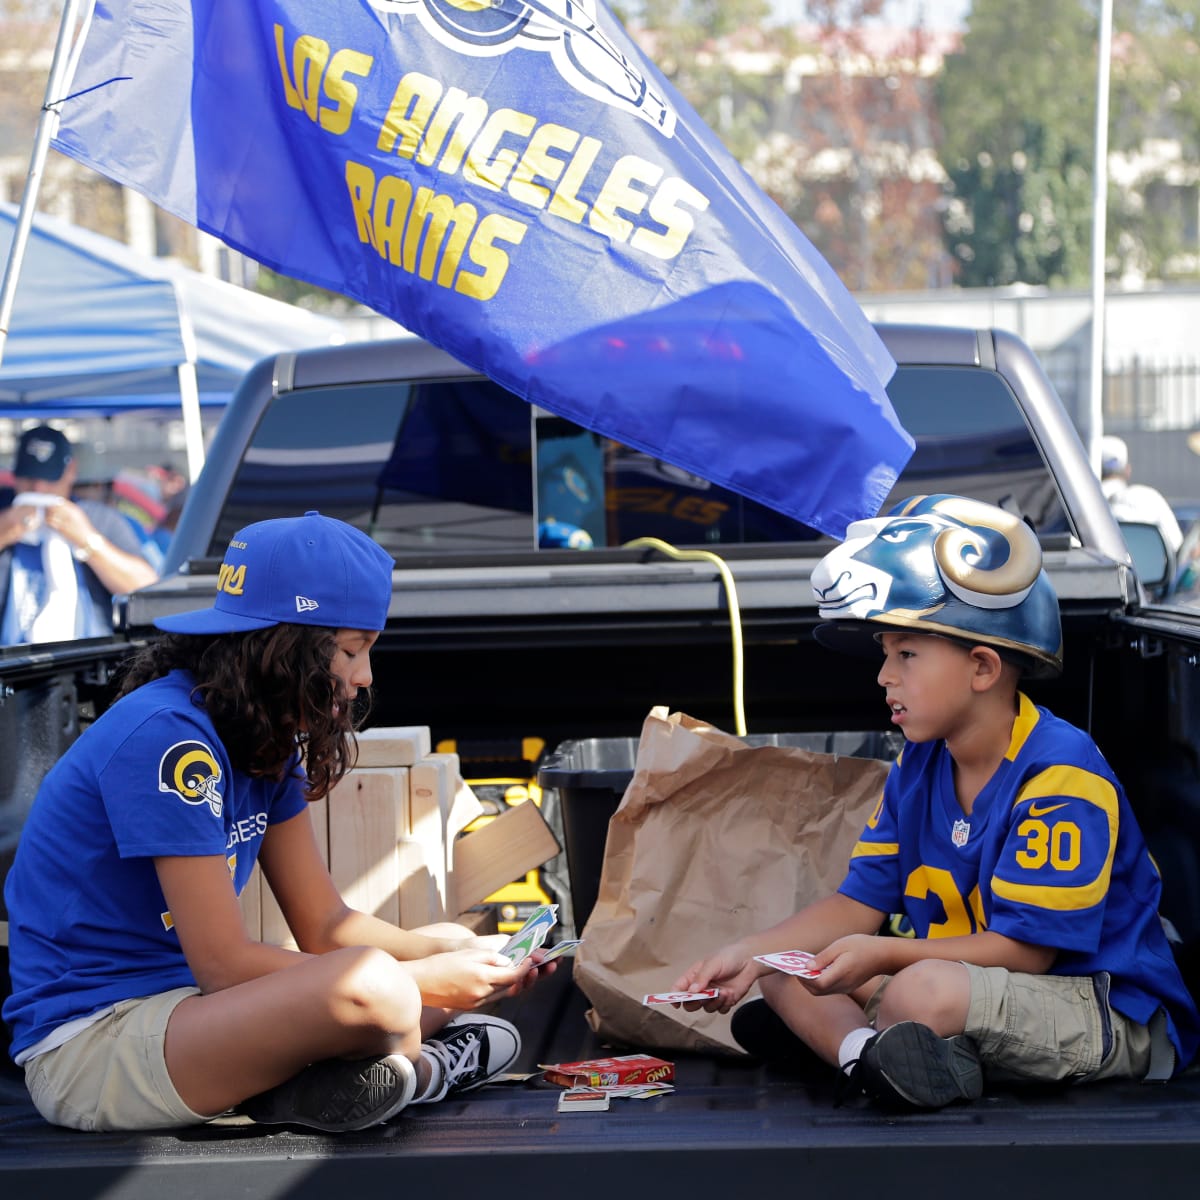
(960, 832)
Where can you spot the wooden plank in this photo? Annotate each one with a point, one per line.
(393, 745)
(433, 783)
(464, 808)
(275, 929)
(420, 901)
(504, 849)
(480, 921)
(368, 813)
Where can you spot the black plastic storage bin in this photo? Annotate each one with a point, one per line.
(591, 775)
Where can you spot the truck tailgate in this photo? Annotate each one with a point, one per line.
(729, 1125)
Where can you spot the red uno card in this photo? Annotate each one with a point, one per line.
(681, 997)
(791, 962)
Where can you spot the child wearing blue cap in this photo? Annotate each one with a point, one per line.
(138, 999)
(1002, 835)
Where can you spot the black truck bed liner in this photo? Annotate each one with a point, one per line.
(740, 1127)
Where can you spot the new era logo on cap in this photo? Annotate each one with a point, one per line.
(304, 604)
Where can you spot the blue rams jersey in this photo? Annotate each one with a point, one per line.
(1050, 854)
(88, 924)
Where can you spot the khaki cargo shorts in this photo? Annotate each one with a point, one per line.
(1057, 1028)
(113, 1074)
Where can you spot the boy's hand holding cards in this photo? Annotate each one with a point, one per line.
(681, 997)
(790, 962)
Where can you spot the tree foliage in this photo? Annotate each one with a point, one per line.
(1156, 125)
(695, 43)
(853, 147)
(833, 144)
(1018, 111)
(1018, 135)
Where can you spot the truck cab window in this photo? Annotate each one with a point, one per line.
(463, 466)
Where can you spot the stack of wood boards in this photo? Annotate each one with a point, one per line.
(391, 832)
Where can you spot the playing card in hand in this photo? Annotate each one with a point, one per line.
(532, 934)
(681, 997)
(790, 962)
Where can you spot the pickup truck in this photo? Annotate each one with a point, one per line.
(499, 633)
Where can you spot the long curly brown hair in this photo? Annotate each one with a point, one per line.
(267, 692)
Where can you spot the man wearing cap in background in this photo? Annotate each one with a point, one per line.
(61, 562)
(1135, 501)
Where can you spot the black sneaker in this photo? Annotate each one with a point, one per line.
(764, 1035)
(469, 1050)
(908, 1066)
(338, 1094)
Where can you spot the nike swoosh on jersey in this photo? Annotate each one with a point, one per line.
(1035, 811)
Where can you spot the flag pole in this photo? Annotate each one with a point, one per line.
(1095, 409)
(60, 71)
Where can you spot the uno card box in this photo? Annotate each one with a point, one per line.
(606, 1072)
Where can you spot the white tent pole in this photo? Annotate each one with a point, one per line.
(189, 390)
(61, 69)
(193, 431)
(1095, 412)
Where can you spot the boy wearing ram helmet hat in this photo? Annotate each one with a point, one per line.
(1002, 835)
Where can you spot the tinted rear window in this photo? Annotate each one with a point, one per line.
(463, 466)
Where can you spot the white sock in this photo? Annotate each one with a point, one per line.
(434, 1085)
(851, 1047)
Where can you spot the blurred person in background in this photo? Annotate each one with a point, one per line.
(150, 499)
(1135, 501)
(61, 562)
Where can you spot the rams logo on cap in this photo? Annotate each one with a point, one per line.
(190, 770)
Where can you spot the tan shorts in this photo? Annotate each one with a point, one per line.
(1055, 1028)
(113, 1074)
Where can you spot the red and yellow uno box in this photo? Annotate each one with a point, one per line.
(608, 1072)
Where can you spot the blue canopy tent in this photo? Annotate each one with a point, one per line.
(97, 330)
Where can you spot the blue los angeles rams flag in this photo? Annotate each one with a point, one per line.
(515, 182)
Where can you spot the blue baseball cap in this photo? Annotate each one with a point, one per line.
(42, 453)
(309, 570)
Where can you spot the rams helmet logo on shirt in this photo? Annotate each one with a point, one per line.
(566, 29)
(190, 770)
(947, 565)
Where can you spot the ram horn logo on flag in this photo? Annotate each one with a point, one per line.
(514, 181)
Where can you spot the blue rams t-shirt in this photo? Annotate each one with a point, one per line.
(88, 924)
(1050, 854)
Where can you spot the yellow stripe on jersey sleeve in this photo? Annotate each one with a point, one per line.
(874, 849)
(1039, 829)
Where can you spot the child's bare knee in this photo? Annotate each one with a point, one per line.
(932, 991)
(372, 989)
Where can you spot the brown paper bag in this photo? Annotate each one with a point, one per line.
(713, 839)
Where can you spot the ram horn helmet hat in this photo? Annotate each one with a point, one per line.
(42, 453)
(309, 570)
(946, 565)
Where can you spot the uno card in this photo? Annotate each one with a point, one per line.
(791, 962)
(638, 1091)
(680, 997)
(559, 950)
(583, 1099)
(532, 934)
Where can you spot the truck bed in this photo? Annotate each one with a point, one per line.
(741, 1126)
